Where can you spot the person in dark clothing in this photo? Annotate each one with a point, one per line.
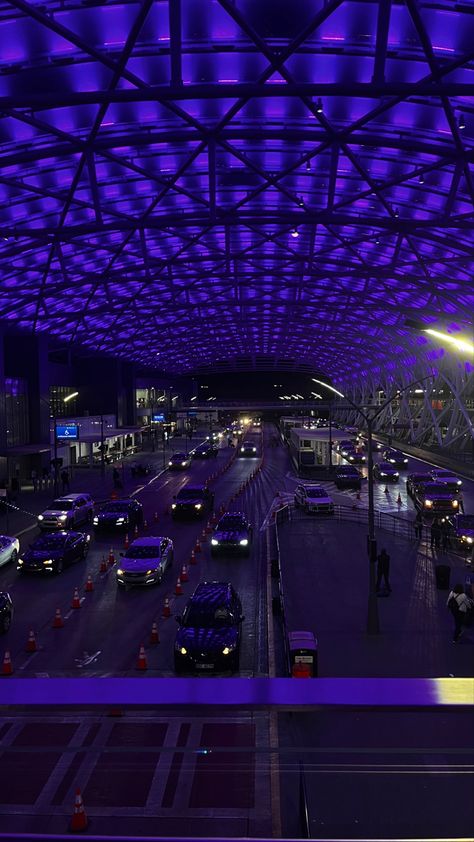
(444, 536)
(65, 480)
(460, 606)
(435, 534)
(418, 525)
(383, 569)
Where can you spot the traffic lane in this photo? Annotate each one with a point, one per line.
(112, 626)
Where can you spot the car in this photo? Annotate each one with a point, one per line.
(9, 549)
(52, 553)
(247, 448)
(67, 512)
(141, 469)
(345, 446)
(178, 461)
(435, 497)
(210, 630)
(354, 457)
(347, 476)
(395, 457)
(214, 437)
(204, 450)
(192, 501)
(233, 533)
(461, 531)
(313, 498)
(145, 561)
(452, 481)
(6, 611)
(415, 479)
(386, 472)
(119, 514)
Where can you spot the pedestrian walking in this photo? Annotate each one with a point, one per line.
(34, 480)
(461, 608)
(383, 570)
(65, 480)
(435, 534)
(46, 477)
(418, 524)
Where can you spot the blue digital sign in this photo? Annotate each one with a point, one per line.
(157, 419)
(67, 431)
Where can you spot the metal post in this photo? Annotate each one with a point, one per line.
(330, 436)
(102, 447)
(373, 626)
(164, 449)
(56, 488)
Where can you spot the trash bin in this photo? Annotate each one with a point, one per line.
(443, 573)
(303, 651)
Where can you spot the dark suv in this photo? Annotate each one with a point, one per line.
(67, 512)
(210, 630)
(192, 501)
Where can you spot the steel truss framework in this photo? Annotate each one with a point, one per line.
(238, 183)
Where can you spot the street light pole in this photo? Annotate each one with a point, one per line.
(102, 446)
(55, 432)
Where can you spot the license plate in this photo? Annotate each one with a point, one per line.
(204, 666)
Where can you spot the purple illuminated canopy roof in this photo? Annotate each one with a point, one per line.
(238, 182)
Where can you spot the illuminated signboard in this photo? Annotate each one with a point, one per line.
(157, 419)
(67, 431)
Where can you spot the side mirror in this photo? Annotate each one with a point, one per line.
(179, 619)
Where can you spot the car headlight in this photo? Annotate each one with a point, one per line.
(170, 463)
(254, 449)
(396, 474)
(182, 650)
(214, 542)
(20, 562)
(48, 562)
(454, 504)
(428, 503)
(62, 517)
(119, 572)
(242, 449)
(351, 458)
(228, 649)
(459, 482)
(149, 572)
(244, 542)
(173, 505)
(198, 505)
(40, 517)
(467, 539)
(383, 474)
(183, 464)
(363, 458)
(120, 520)
(96, 520)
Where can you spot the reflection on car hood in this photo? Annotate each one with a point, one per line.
(55, 512)
(41, 555)
(207, 641)
(112, 515)
(234, 535)
(139, 565)
(190, 501)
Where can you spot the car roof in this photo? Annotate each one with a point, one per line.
(192, 487)
(72, 496)
(212, 592)
(387, 465)
(149, 541)
(120, 500)
(233, 514)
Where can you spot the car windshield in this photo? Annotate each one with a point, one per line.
(316, 492)
(465, 522)
(436, 488)
(142, 552)
(231, 522)
(445, 475)
(180, 457)
(350, 472)
(386, 466)
(248, 444)
(421, 478)
(189, 493)
(49, 542)
(199, 617)
(116, 507)
(63, 505)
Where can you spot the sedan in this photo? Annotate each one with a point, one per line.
(146, 561)
(247, 448)
(210, 630)
(9, 549)
(395, 457)
(313, 498)
(452, 481)
(415, 480)
(179, 461)
(233, 533)
(119, 514)
(51, 553)
(354, 457)
(386, 472)
(6, 611)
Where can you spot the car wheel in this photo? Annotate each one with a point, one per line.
(6, 623)
(14, 556)
(58, 569)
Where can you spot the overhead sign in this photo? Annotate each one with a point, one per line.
(67, 431)
(157, 419)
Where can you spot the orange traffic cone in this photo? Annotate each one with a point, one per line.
(111, 556)
(166, 608)
(145, 524)
(178, 589)
(103, 565)
(184, 574)
(79, 819)
(209, 528)
(31, 642)
(142, 662)
(135, 531)
(399, 499)
(386, 491)
(89, 585)
(193, 559)
(203, 535)
(58, 622)
(76, 601)
(126, 542)
(155, 517)
(7, 668)
(155, 635)
(197, 547)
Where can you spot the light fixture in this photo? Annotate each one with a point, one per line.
(319, 106)
(294, 232)
(331, 388)
(421, 179)
(70, 397)
(461, 122)
(458, 344)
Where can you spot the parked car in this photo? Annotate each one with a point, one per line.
(179, 461)
(6, 611)
(461, 531)
(9, 549)
(247, 448)
(436, 497)
(415, 479)
(386, 472)
(209, 632)
(119, 514)
(67, 512)
(313, 498)
(395, 457)
(347, 476)
(192, 501)
(354, 457)
(52, 553)
(233, 533)
(146, 561)
(452, 481)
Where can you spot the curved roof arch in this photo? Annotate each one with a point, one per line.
(189, 184)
